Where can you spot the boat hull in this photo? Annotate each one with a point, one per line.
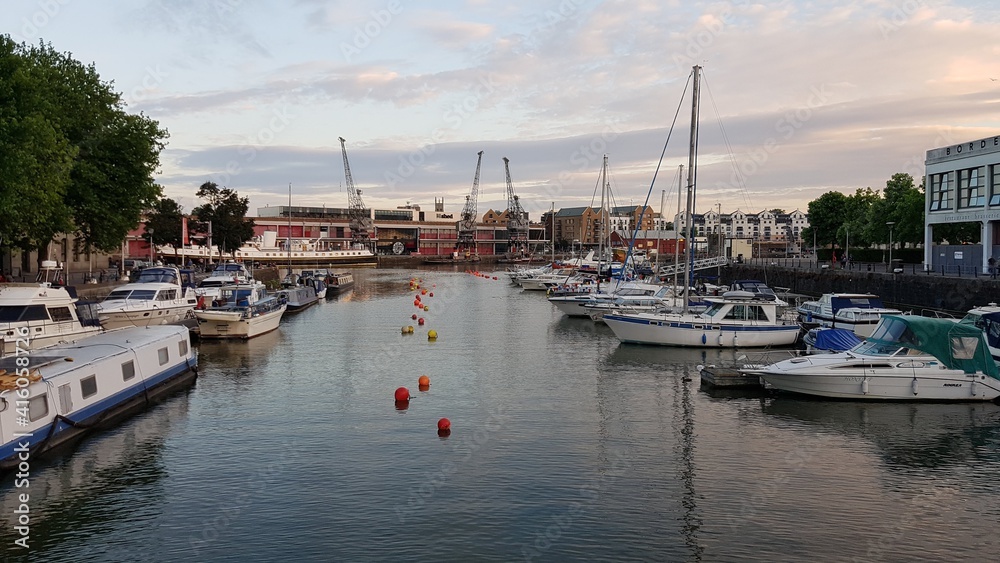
(145, 317)
(700, 335)
(947, 386)
(233, 325)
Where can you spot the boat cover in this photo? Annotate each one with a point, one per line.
(956, 345)
(833, 339)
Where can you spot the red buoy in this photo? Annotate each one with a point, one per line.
(402, 394)
(413, 316)
(420, 321)
(431, 294)
(444, 424)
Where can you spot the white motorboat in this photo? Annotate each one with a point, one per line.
(573, 303)
(71, 388)
(736, 319)
(244, 310)
(907, 357)
(986, 319)
(859, 312)
(38, 315)
(160, 296)
(225, 273)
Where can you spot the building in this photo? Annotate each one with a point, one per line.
(764, 226)
(963, 185)
(583, 225)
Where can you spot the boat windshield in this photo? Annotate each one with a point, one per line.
(132, 295)
(157, 275)
(873, 348)
(237, 296)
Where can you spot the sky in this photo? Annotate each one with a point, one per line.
(798, 98)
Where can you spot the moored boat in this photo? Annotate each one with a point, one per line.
(906, 358)
(242, 311)
(859, 312)
(161, 295)
(736, 319)
(69, 389)
(338, 283)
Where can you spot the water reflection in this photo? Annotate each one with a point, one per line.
(908, 435)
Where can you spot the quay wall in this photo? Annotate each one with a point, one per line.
(908, 291)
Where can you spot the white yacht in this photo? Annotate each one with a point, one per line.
(859, 312)
(906, 358)
(736, 319)
(161, 295)
(245, 310)
(225, 273)
(38, 315)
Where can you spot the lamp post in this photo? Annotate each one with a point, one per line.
(890, 225)
(152, 249)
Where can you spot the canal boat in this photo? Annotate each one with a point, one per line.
(737, 319)
(242, 311)
(338, 283)
(49, 314)
(906, 358)
(160, 295)
(69, 389)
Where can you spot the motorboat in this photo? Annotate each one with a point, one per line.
(735, 319)
(38, 315)
(907, 357)
(225, 273)
(825, 340)
(242, 310)
(858, 312)
(573, 303)
(297, 293)
(160, 295)
(987, 319)
(71, 388)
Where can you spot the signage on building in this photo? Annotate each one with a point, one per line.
(961, 150)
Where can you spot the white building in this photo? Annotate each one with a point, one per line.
(963, 185)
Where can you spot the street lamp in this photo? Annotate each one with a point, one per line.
(152, 249)
(890, 224)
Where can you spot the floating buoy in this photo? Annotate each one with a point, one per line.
(404, 331)
(494, 278)
(413, 316)
(432, 334)
(402, 394)
(409, 329)
(424, 381)
(420, 321)
(427, 308)
(444, 424)
(423, 292)
(431, 294)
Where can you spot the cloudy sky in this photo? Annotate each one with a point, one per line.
(798, 97)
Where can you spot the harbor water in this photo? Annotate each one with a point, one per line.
(565, 445)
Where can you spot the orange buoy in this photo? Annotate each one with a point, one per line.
(402, 394)
(420, 321)
(444, 427)
(424, 381)
(423, 292)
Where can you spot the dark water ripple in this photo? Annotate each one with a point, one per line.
(566, 446)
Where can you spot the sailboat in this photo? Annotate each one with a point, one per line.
(736, 319)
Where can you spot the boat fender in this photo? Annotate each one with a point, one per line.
(914, 386)
(864, 386)
(704, 339)
(972, 387)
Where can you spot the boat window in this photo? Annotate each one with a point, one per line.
(88, 386)
(964, 347)
(212, 283)
(128, 370)
(38, 407)
(60, 314)
(182, 347)
(167, 295)
(157, 275)
(23, 313)
(164, 355)
(143, 294)
(738, 312)
(118, 294)
(713, 310)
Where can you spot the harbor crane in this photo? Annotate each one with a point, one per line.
(360, 219)
(467, 225)
(517, 219)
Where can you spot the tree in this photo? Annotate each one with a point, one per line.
(74, 160)
(164, 224)
(777, 211)
(227, 211)
(826, 215)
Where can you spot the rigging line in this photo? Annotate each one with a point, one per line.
(597, 186)
(638, 224)
(737, 173)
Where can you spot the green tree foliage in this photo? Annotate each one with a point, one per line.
(73, 159)
(227, 212)
(826, 215)
(902, 203)
(778, 211)
(164, 224)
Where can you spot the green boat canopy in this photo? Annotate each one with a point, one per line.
(956, 345)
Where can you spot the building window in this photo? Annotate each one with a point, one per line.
(995, 184)
(970, 188)
(941, 191)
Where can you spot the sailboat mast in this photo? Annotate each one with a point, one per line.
(605, 220)
(692, 177)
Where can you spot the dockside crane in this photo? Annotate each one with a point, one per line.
(361, 221)
(467, 225)
(517, 219)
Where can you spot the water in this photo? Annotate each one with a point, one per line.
(566, 445)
